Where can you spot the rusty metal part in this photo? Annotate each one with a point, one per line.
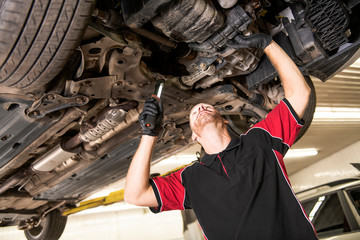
(56, 206)
(95, 52)
(109, 18)
(152, 36)
(36, 221)
(131, 117)
(226, 100)
(237, 22)
(111, 119)
(99, 87)
(189, 20)
(170, 133)
(196, 76)
(126, 75)
(208, 71)
(52, 102)
(242, 88)
(72, 142)
(233, 63)
(12, 182)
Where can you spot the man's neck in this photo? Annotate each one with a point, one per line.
(213, 139)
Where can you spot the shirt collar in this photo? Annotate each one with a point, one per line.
(208, 159)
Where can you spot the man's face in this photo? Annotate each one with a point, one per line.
(203, 114)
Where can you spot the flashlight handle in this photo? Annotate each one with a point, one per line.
(150, 121)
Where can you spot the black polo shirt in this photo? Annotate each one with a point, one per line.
(243, 192)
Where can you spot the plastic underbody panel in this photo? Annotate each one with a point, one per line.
(113, 166)
(16, 130)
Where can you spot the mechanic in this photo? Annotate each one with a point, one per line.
(240, 188)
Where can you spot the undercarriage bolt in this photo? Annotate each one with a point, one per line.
(50, 97)
(35, 113)
(81, 99)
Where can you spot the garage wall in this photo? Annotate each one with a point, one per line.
(335, 167)
(113, 223)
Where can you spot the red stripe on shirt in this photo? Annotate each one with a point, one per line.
(171, 191)
(281, 123)
(223, 166)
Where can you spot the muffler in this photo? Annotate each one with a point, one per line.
(51, 159)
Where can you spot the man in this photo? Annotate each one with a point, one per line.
(240, 188)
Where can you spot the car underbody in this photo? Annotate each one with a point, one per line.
(69, 122)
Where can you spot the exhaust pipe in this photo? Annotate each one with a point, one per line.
(64, 152)
(112, 118)
(61, 156)
(12, 182)
(52, 159)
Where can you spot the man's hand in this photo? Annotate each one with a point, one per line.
(153, 109)
(257, 40)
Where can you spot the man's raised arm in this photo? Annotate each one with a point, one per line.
(137, 188)
(296, 89)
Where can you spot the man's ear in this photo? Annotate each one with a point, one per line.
(194, 136)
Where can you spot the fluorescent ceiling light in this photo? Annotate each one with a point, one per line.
(357, 61)
(336, 114)
(298, 153)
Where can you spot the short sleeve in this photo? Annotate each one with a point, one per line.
(282, 124)
(169, 191)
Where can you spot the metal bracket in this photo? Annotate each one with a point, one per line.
(100, 87)
(49, 103)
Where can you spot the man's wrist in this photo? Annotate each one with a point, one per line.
(149, 138)
(268, 48)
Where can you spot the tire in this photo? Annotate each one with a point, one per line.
(50, 228)
(37, 38)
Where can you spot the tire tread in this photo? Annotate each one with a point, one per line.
(41, 49)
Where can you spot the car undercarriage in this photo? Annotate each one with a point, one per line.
(74, 76)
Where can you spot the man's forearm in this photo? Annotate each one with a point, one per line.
(138, 190)
(295, 87)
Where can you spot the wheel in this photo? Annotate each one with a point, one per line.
(50, 228)
(37, 38)
(239, 124)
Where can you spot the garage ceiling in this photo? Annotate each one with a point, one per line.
(329, 135)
